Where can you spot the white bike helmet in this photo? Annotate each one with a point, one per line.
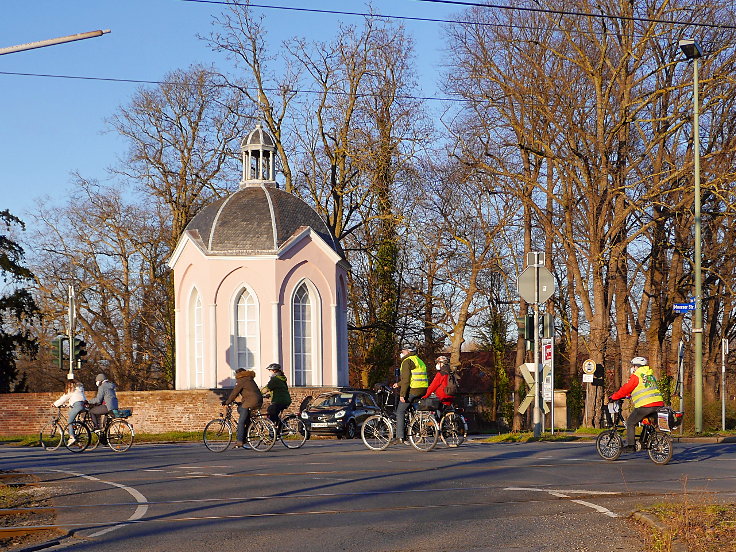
(639, 361)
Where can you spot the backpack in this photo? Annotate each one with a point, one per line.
(453, 384)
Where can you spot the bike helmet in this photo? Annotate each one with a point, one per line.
(442, 359)
(274, 366)
(409, 347)
(639, 361)
(100, 377)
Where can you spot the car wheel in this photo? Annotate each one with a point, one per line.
(351, 432)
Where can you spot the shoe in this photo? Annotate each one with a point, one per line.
(628, 448)
(238, 444)
(98, 431)
(71, 441)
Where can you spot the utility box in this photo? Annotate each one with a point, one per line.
(561, 421)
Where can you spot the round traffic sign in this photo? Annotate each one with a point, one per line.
(589, 366)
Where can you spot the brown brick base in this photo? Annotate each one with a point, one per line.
(153, 411)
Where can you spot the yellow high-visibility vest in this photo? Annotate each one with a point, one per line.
(419, 376)
(646, 391)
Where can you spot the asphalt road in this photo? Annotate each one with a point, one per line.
(337, 495)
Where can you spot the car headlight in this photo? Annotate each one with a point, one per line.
(340, 414)
(305, 416)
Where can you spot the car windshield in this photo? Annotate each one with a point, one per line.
(336, 399)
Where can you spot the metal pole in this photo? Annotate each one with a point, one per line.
(552, 372)
(681, 378)
(698, 326)
(724, 352)
(538, 375)
(72, 324)
(51, 42)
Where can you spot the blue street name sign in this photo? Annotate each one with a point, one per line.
(684, 307)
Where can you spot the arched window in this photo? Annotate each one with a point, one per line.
(303, 332)
(196, 336)
(246, 331)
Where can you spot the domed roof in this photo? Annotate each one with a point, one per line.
(256, 220)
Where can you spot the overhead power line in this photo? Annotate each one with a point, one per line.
(578, 14)
(466, 22)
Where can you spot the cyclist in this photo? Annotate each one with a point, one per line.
(105, 401)
(645, 394)
(75, 399)
(412, 384)
(251, 396)
(279, 391)
(440, 382)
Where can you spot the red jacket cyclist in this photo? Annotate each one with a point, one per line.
(645, 394)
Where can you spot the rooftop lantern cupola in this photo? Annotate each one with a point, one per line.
(258, 150)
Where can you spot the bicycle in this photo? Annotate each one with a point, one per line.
(453, 426)
(291, 430)
(378, 431)
(116, 432)
(654, 437)
(260, 434)
(51, 435)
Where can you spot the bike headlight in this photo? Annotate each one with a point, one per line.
(340, 414)
(305, 416)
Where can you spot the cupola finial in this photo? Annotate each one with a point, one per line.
(258, 151)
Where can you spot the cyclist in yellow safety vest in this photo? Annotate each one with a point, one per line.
(412, 384)
(645, 394)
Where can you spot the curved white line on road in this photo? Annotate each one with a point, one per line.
(140, 511)
(565, 493)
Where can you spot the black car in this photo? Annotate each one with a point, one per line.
(339, 413)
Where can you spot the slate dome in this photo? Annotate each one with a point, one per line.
(255, 220)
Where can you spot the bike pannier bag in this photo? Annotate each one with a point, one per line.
(430, 403)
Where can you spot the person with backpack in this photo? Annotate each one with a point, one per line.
(251, 397)
(439, 385)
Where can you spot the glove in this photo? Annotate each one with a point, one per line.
(223, 403)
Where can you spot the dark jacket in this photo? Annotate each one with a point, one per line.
(106, 395)
(279, 390)
(407, 365)
(245, 386)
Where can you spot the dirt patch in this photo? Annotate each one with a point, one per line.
(22, 504)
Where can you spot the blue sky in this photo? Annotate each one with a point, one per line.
(52, 127)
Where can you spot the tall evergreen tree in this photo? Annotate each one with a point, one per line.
(17, 308)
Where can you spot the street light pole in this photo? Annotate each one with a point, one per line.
(692, 51)
(51, 42)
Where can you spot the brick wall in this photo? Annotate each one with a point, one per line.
(153, 411)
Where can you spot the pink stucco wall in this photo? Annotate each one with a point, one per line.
(273, 280)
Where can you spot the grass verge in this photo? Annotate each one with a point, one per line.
(701, 527)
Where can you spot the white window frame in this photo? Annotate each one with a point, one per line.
(313, 375)
(252, 340)
(196, 341)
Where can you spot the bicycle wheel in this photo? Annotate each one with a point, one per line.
(217, 435)
(261, 434)
(377, 432)
(81, 435)
(51, 436)
(453, 429)
(609, 445)
(94, 439)
(293, 432)
(119, 435)
(424, 431)
(660, 448)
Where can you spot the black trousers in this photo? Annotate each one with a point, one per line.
(636, 416)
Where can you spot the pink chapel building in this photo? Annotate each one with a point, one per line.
(258, 278)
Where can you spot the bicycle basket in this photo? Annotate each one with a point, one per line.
(122, 412)
(430, 403)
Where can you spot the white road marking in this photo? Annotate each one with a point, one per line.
(140, 511)
(565, 493)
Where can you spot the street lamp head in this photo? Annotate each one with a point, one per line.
(690, 48)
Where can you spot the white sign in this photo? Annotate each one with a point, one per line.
(587, 378)
(589, 367)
